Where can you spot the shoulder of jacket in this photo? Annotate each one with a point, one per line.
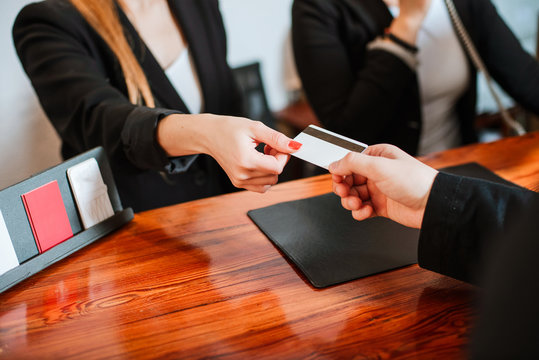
(58, 11)
(48, 7)
(54, 14)
(357, 9)
(324, 5)
(322, 10)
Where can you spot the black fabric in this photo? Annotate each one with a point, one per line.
(463, 220)
(329, 247)
(82, 89)
(488, 234)
(508, 313)
(478, 171)
(373, 96)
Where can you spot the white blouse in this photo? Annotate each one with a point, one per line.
(182, 75)
(444, 76)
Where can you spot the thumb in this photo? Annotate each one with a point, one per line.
(274, 139)
(352, 163)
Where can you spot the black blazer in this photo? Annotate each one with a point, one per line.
(373, 96)
(82, 89)
(487, 233)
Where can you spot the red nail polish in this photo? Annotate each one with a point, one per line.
(294, 145)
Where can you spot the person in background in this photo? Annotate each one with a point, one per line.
(473, 230)
(395, 71)
(147, 80)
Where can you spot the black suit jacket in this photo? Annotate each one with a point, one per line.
(487, 233)
(373, 96)
(82, 89)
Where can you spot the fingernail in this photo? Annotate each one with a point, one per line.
(294, 145)
(331, 167)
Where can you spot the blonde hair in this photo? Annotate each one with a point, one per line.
(103, 16)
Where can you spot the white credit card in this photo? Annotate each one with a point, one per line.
(321, 147)
(8, 257)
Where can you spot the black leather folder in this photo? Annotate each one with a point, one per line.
(329, 247)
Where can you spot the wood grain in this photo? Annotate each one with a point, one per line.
(199, 280)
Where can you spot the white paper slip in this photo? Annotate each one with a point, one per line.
(321, 147)
(90, 192)
(8, 257)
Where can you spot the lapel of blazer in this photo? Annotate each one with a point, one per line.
(462, 7)
(464, 11)
(162, 89)
(195, 25)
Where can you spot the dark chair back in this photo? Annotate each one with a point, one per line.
(255, 104)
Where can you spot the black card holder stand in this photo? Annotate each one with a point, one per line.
(20, 231)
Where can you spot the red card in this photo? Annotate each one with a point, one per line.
(47, 214)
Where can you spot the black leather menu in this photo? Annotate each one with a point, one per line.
(329, 247)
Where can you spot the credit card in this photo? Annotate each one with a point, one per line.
(321, 147)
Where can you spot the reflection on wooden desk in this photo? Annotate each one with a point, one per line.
(200, 280)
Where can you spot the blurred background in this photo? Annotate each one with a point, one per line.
(258, 33)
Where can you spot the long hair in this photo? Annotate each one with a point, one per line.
(103, 16)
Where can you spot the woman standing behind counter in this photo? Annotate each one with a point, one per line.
(395, 71)
(134, 76)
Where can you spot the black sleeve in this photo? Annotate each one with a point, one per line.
(353, 102)
(509, 64)
(75, 91)
(465, 221)
(506, 327)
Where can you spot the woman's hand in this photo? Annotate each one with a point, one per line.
(411, 16)
(383, 181)
(232, 142)
(233, 146)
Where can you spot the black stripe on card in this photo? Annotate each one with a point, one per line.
(348, 145)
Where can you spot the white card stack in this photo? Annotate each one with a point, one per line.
(8, 257)
(90, 192)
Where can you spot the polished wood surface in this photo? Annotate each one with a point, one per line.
(199, 280)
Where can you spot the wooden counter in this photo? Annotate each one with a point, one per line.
(199, 280)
